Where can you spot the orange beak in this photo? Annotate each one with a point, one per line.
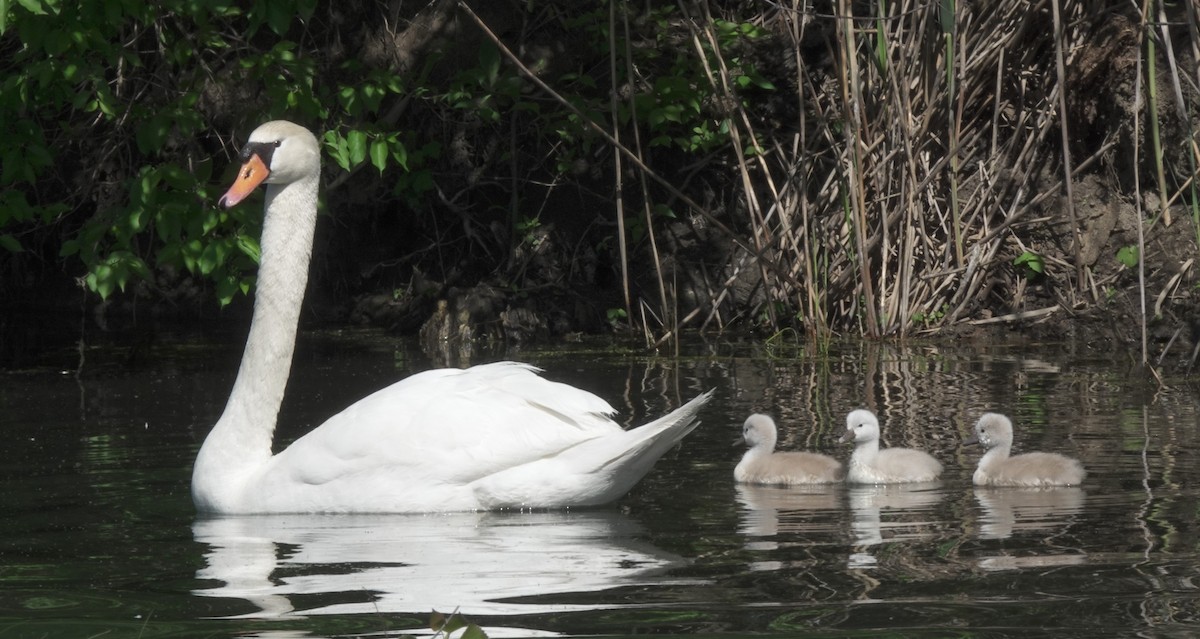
(252, 173)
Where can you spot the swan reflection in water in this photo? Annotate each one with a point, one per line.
(478, 563)
(1028, 510)
(868, 503)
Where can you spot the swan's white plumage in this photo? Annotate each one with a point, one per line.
(486, 437)
(870, 465)
(997, 468)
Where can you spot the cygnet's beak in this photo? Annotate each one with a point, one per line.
(973, 439)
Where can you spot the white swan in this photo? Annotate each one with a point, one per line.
(870, 465)
(995, 432)
(487, 437)
(762, 465)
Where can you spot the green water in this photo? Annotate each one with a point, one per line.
(99, 539)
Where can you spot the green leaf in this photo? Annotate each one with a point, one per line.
(249, 247)
(1033, 263)
(379, 154)
(338, 149)
(1128, 255)
(10, 243)
(229, 286)
(32, 6)
(279, 16)
(356, 144)
(455, 623)
(213, 256)
(400, 154)
(473, 632)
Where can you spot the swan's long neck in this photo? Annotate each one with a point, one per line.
(240, 442)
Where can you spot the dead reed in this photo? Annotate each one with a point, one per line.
(931, 180)
(947, 163)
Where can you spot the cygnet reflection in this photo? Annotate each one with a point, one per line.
(907, 507)
(807, 511)
(1009, 510)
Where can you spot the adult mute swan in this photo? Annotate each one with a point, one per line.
(487, 437)
(763, 465)
(870, 465)
(995, 433)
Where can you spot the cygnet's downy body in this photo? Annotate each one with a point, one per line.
(871, 465)
(997, 468)
(762, 465)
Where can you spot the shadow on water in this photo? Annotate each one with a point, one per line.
(99, 537)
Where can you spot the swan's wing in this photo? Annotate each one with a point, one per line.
(449, 425)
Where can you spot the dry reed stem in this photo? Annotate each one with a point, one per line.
(925, 156)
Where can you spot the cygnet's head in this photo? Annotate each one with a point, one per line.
(759, 430)
(861, 426)
(992, 429)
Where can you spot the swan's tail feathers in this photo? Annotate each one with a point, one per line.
(594, 472)
(623, 461)
(645, 444)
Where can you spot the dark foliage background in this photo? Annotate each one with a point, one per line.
(516, 170)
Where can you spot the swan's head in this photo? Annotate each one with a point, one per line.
(861, 426)
(992, 429)
(278, 152)
(759, 430)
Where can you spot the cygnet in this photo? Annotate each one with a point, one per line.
(762, 465)
(870, 465)
(995, 432)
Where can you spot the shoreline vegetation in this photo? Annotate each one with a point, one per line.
(506, 171)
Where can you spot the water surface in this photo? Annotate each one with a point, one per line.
(99, 537)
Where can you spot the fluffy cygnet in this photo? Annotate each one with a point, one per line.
(995, 432)
(870, 465)
(762, 465)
